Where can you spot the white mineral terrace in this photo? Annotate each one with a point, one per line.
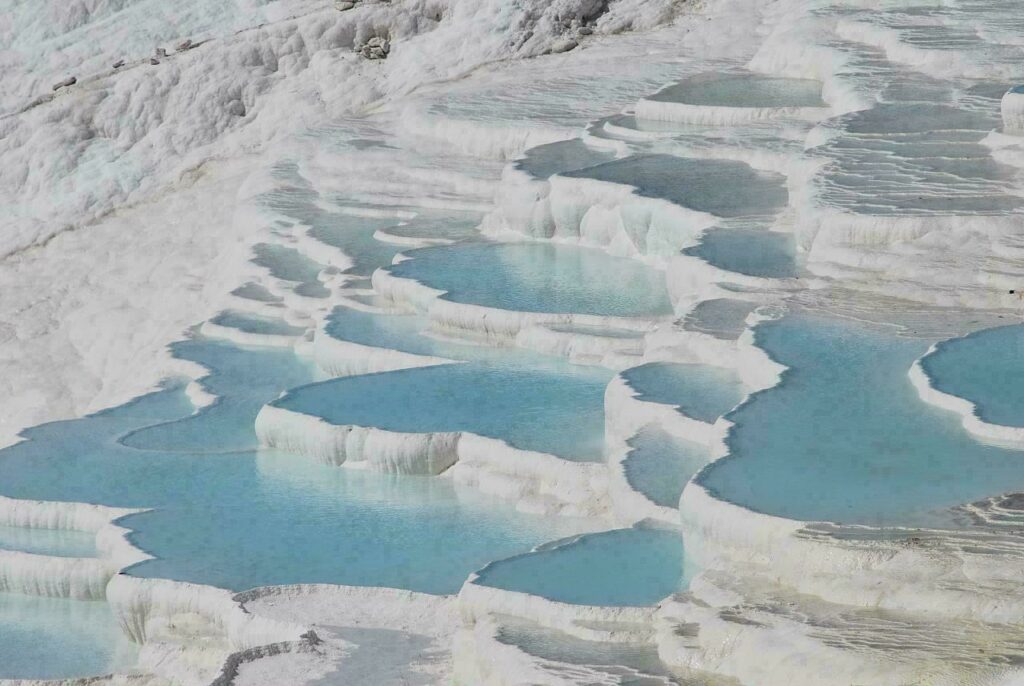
(495, 343)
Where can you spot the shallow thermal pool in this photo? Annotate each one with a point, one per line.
(845, 437)
(659, 464)
(350, 233)
(724, 188)
(539, 277)
(256, 323)
(722, 317)
(232, 516)
(354, 231)
(699, 391)
(985, 368)
(436, 225)
(288, 264)
(761, 253)
(531, 401)
(551, 158)
(561, 413)
(743, 90)
(53, 638)
(412, 334)
(622, 567)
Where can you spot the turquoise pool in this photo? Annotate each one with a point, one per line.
(51, 638)
(540, 277)
(986, 368)
(623, 567)
(845, 437)
(659, 465)
(699, 391)
(229, 515)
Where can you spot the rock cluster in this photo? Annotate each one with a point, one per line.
(377, 48)
(575, 28)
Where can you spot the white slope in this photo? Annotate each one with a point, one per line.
(148, 158)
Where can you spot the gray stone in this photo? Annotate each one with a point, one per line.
(563, 45)
(70, 81)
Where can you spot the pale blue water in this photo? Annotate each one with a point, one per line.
(659, 465)
(532, 401)
(243, 379)
(986, 368)
(767, 254)
(561, 413)
(241, 518)
(411, 334)
(291, 265)
(52, 638)
(536, 277)
(354, 237)
(57, 542)
(699, 391)
(722, 317)
(256, 323)
(845, 437)
(623, 567)
(544, 160)
(448, 225)
(724, 188)
(743, 90)
(350, 233)
(402, 332)
(254, 291)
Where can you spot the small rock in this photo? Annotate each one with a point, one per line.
(563, 45)
(343, 5)
(585, 31)
(385, 46)
(161, 52)
(118, 64)
(375, 41)
(154, 61)
(70, 81)
(184, 45)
